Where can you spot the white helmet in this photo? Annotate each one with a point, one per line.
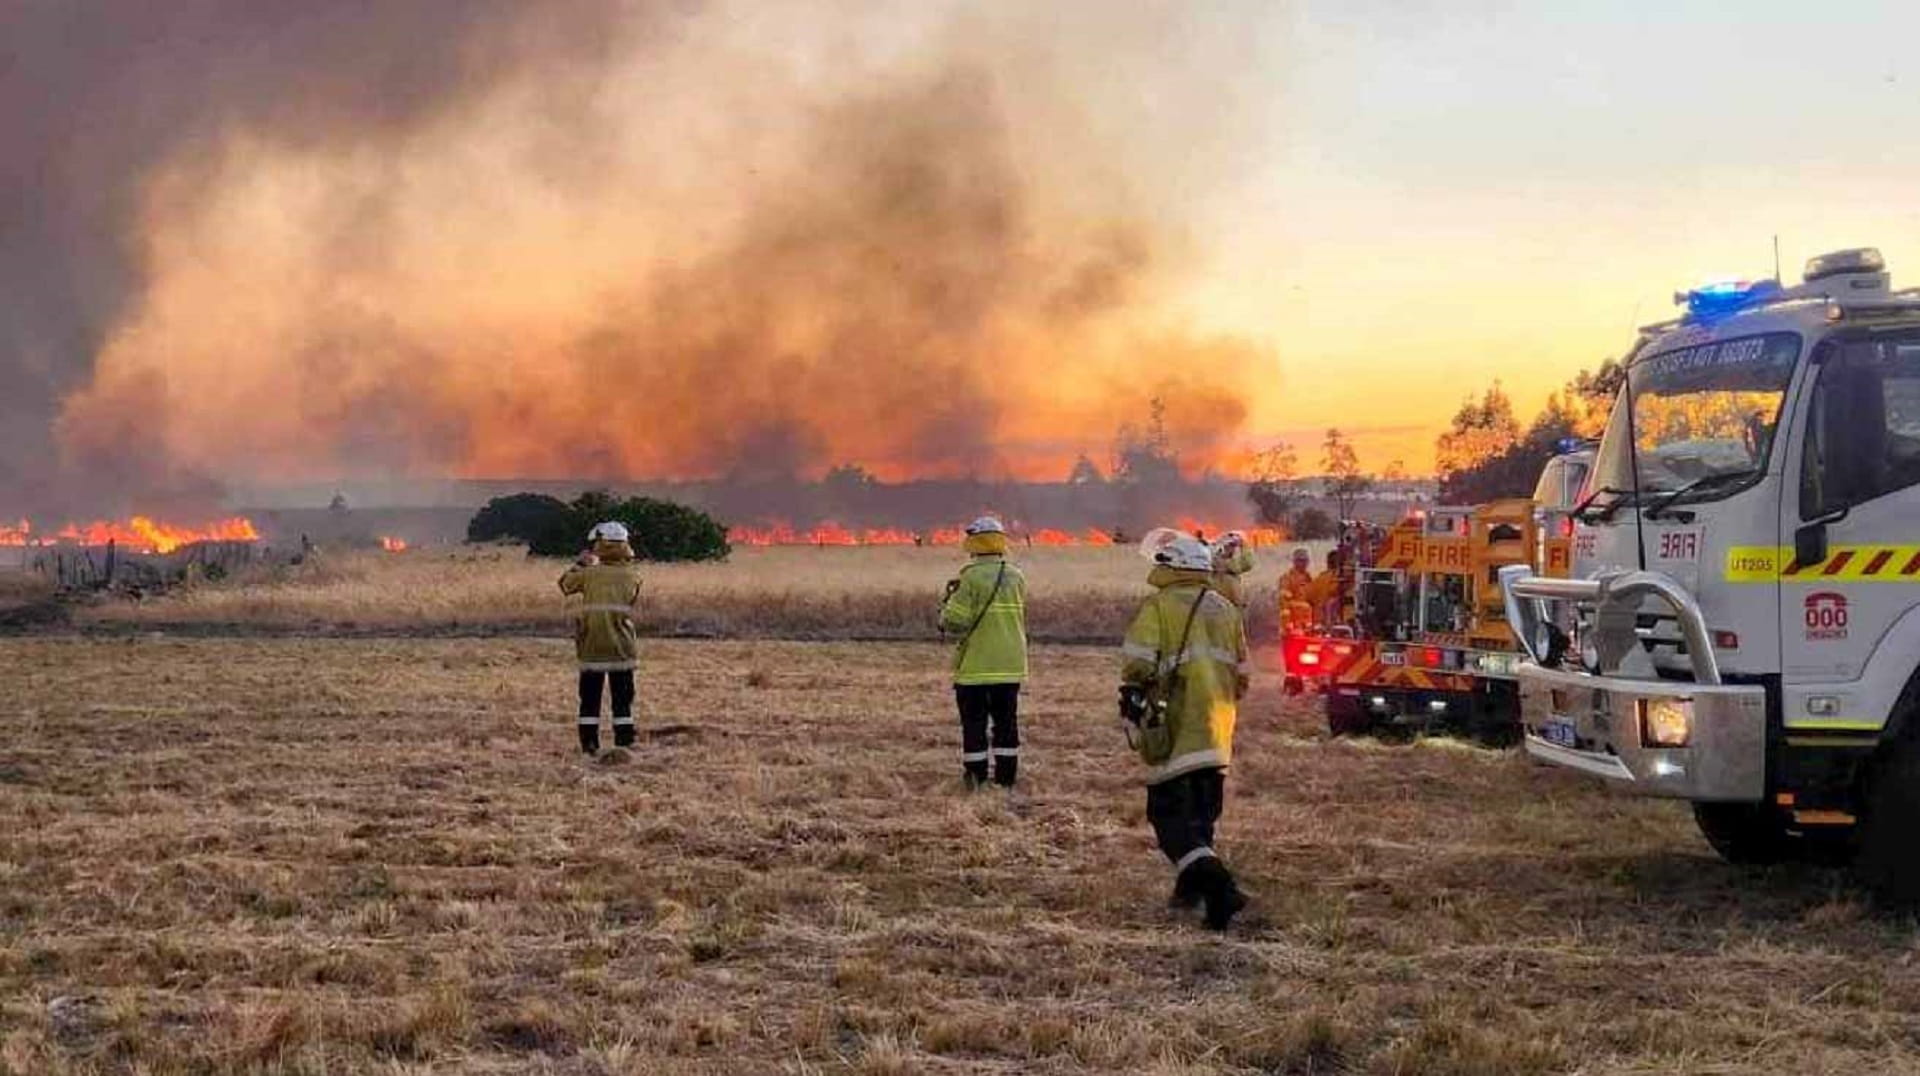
(986, 525)
(1186, 552)
(1158, 539)
(608, 532)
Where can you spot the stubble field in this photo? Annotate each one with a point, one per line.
(303, 855)
(1078, 594)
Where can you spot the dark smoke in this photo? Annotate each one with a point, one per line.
(95, 94)
(924, 264)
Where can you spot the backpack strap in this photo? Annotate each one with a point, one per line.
(1164, 684)
(982, 614)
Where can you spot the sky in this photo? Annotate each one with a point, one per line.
(293, 240)
(1446, 194)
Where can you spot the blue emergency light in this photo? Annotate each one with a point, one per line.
(1723, 297)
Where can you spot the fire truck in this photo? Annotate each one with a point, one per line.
(1420, 638)
(1742, 625)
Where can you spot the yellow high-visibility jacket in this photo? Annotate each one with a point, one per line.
(1228, 573)
(1329, 603)
(996, 651)
(603, 634)
(1209, 677)
(1296, 599)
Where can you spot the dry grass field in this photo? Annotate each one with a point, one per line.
(345, 855)
(881, 592)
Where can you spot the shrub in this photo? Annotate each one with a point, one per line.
(661, 530)
(521, 517)
(1314, 524)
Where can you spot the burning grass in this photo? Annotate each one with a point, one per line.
(303, 856)
(875, 592)
(140, 534)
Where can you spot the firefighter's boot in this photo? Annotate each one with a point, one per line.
(590, 737)
(1186, 891)
(1005, 769)
(623, 732)
(1223, 896)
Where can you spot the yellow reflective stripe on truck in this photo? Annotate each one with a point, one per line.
(1833, 724)
(1844, 564)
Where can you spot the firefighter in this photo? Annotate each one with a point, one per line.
(1184, 671)
(1326, 594)
(607, 582)
(986, 608)
(1296, 592)
(1232, 560)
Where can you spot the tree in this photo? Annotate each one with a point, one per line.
(1481, 430)
(1145, 456)
(664, 530)
(1270, 489)
(1314, 525)
(1579, 410)
(1344, 482)
(1395, 471)
(846, 487)
(659, 530)
(1085, 473)
(520, 517)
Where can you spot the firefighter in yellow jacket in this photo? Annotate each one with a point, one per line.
(1232, 561)
(1185, 669)
(1296, 593)
(986, 608)
(607, 584)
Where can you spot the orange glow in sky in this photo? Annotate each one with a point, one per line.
(977, 237)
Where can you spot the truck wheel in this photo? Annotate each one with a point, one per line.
(1750, 834)
(1884, 858)
(1346, 718)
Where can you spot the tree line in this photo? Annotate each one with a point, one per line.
(1486, 455)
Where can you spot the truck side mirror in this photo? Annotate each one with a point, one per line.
(1810, 544)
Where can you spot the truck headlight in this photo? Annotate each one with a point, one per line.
(1665, 722)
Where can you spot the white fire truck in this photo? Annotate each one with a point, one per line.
(1742, 624)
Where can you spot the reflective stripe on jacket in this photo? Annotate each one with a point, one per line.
(603, 634)
(1209, 676)
(996, 652)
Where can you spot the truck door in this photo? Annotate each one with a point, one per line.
(1859, 470)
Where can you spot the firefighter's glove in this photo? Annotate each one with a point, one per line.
(939, 618)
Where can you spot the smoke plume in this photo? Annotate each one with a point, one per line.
(287, 239)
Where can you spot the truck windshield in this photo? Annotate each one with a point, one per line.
(1703, 417)
(1560, 482)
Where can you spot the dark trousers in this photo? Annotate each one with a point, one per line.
(981, 706)
(1183, 811)
(592, 683)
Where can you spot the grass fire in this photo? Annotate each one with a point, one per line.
(138, 534)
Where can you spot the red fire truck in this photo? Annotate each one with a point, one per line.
(1418, 636)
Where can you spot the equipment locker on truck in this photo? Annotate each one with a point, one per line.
(1742, 629)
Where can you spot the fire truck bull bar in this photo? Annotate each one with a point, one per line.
(1698, 740)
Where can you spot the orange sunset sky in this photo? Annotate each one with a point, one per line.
(1450, 193)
